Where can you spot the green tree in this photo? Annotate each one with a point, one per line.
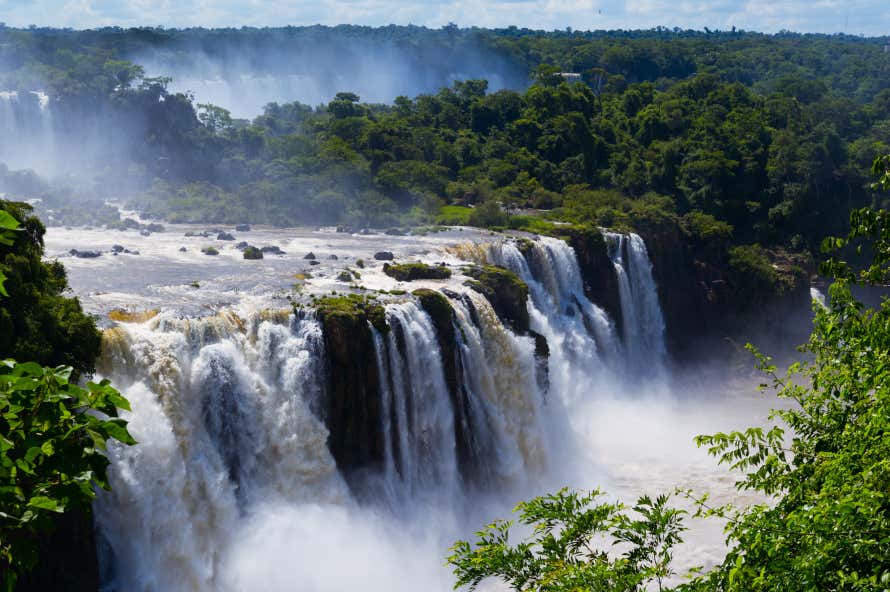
(561, 555)
(53, 435)
(37, 321)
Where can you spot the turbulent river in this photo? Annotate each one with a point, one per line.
(234, 485)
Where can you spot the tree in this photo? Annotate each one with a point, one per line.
(37, 322)
(52, 440)
(53, 435)
(561, 556)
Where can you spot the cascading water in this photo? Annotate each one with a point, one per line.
(642, 321)
(580, 335)
(418, 421)
(505, 413)
(233, 453)
(222, 410)
(27, 129)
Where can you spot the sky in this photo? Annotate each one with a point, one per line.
(859, 17)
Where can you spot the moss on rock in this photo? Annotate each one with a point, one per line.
(506, 292)
(252, 253)
(352, 407)
(407, 272)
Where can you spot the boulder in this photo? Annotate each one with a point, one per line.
(273, 249)
(225, 236)
(242, 228)
(84, 254)
(252, 253)
(384, 256)
(310, 255)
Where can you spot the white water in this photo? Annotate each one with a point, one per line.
(26, 127)
(222, 411)
(580, 335)
(421, 451)
(642, 321)
(232, 486)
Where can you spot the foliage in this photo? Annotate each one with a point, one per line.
(37, 322)
(824, 459)
(763, 133)
(252, 252)
(54, 435)
(562, 552)
(8, 226)
(751, 269)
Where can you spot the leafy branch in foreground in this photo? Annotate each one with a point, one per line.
(8, 228)
(53, 435)
(562, 552)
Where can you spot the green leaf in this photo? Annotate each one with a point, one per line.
(42, 502)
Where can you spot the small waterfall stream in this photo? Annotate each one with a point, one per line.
(26, 125)
(643, 323)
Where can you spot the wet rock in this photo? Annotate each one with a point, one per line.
(407, 272)
(333, 257)
(315, 262)
(310, 255)
(129, 252)
(210, 251)
(450, 293)
(395, 232)
(384, 256)
(117, 248)
(242, 245)
(145, 232)
(242, 227)
(273, 249)
(182, 249)
(84, 254)
(506, 292)
(352, 407)
(225, 236)
(252, 253)
(153, 227)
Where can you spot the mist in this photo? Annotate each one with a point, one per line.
(245, 72)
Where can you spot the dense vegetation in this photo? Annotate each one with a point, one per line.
(822, 465)
(38, 322)
(736, 138)
(52, 432)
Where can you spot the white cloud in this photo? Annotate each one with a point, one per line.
(870, 17)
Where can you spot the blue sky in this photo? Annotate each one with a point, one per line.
(868, 17)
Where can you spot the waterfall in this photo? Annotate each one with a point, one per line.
(580, 334)
(642, 321)
(27, 128)
(504, 401)
(418, 420)
(223, 413)
(232, 414)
